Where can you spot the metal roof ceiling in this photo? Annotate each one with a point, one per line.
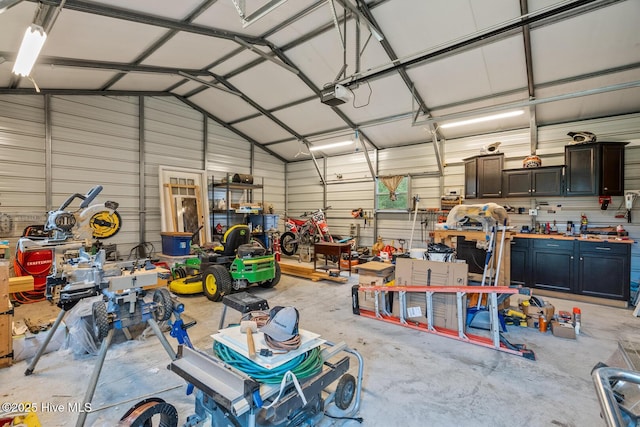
(435, 61)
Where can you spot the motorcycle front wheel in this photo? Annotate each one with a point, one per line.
(288, 243)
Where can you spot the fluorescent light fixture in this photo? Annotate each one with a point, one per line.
(331, 145)
(30, 48)
(482, 119)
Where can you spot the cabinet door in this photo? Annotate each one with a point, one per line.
(604, 270)
(546, 181)
(552, 265)
(612, 170)
(520, 264)
(516, 183)
(471, 179)
(581, 170)
(603, 276)
(490, 176)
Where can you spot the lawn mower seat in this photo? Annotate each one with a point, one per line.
(235, 236)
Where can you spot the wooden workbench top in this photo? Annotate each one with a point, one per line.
(590, 237)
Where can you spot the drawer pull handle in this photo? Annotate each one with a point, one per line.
(602, 248)
(552, 246)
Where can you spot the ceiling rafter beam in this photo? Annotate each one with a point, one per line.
(209, 84)
(141, 18)
(96, 92)
(107, 65)
(483, 37)
(257, 51)
(523, 104)
(274, 109)
(528, 59)
(408, 115)
(315, 90)
(162, 40)
(422, 106)
(229, 127)
(258, 107)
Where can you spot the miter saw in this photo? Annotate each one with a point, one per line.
(98, 221)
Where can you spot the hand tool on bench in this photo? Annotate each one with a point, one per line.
(249, 327)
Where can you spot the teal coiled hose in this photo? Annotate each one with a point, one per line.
(303, 366)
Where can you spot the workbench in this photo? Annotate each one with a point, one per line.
(331, 249)
(449, 238)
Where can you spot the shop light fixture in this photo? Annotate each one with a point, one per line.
(331, 145)
(30, 48)
(482, 119)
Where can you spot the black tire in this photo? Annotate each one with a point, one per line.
(288, 245)
(258, 242)
(345, 391)
(216, 282)
(276, 278)
(164, 305)
(100, 321)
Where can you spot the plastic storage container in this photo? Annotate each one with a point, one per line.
(176, 243)
(270, 221)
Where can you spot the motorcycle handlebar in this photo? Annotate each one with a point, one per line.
(305, 214)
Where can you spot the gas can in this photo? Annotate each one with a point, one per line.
(542, 323)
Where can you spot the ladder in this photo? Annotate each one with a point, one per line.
(495, 341)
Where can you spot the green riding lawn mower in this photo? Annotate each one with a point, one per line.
(234, 265)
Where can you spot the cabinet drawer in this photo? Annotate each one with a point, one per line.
(604, 248)
(563, 245)
(521, 243)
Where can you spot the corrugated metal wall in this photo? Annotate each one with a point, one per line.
(98, 140)
(94, 141)
(173, 136)
(419, 161)
(22, 164)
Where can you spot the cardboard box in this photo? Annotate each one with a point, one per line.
(371, 280)
(374, 273)
(505, 304)
(563, 330)
(534, 312)
(418, 272)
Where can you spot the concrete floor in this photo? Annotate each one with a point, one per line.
(411, 378)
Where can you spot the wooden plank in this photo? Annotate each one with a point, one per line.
(20, 284)
(4, 286)
(299, 271)
(308, 273)
(6, 339)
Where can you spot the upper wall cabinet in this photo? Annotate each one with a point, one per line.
(545, 181)
(595, 169)
(483, 176)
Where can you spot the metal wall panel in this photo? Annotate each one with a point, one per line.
(227, 152)
(272, 170)
(419, 162)
(173, 136)
(22, 162)
(305, 191)
(95, 142)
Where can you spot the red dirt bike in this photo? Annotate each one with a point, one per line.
(304, 232)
